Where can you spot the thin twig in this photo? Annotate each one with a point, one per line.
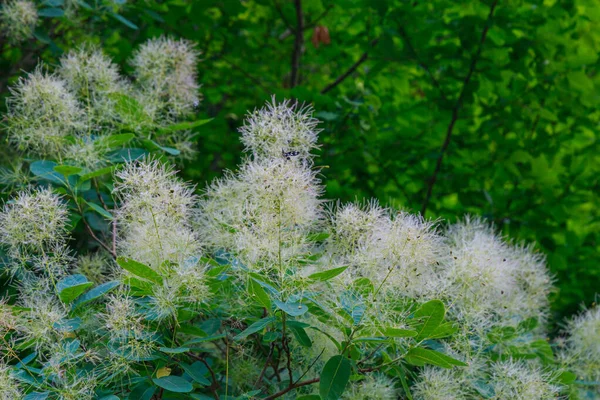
(292, 387)
(349, 71)
(114, 221)
(298, 44)
(285, 21)
(215, 383)
(262, 373)
(312, 24)
(456, 109)
(436, 83)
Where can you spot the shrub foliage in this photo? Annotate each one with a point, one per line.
(126, 282)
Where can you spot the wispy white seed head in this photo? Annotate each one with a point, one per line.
(373, 386)
(93, 76)
(9, 386)
(582, 351)
(96, 267)
(284, 129)
(440, 384)
(121, 319)
(34, 221)
(264, 213)
(18, 19)
(45, 312)
(155, 214)
(165, 69)
(41, 113)
(492, 281)
(402, 250)
(353, 228)
(88, 151)
(89, 72)
(522, 381)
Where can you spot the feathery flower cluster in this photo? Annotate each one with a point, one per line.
(581, 353)
(42, 112)
(18, 19)
(155, 213)
(94, 78)
(9, 388)
(32, 228)
(165, 70)
(68, 115)
(264, 213)
(280, 129)
(400, 249)
(155, 229)
(493, 282)
(372, 387)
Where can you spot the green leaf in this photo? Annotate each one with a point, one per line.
(97, 173)
(124, 21)
(400, 333)
(139, 269)
(174, 350)
(444, 330)
(205, 339)
(196, 371)
(37, 396)
(96, 292)
(67, 170)
(294, 309)
(174, 384)
(143, 391)
(326, 275)
(100, 210)
(567, 377)
(334, 377)
(299, 333)
(152, 145)
(255, 327)
(51, 12)
(259, 293)
(71, 287)
(183, 126)
(431, 315)
(118, 140)
(419, 357)
(45, 170)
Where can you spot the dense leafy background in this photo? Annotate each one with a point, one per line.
(502, 94)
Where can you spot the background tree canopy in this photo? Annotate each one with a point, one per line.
(449, 108)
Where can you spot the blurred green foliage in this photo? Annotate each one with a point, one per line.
(491, 106)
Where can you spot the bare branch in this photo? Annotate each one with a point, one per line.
(292, 387)
(421, 63)
(456, 109)
(298, 44)
(349, 71)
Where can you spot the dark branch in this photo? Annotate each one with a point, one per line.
(349, 71)
(285, 21)
(292, 387)
(456, 109)
(298, 44)
(421, 63)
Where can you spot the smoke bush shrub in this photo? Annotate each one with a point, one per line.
(129, 283)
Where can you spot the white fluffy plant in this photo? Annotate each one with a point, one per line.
(258, 287)
(82, 114)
